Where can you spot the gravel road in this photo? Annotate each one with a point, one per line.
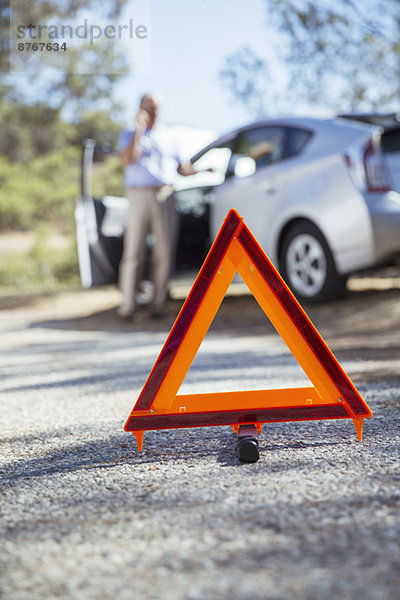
(85, 516)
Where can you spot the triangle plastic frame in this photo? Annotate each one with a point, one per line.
(160, 407)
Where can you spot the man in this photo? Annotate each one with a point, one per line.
(151, 160)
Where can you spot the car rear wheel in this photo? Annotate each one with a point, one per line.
(307, 265)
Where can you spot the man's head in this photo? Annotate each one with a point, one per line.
(150, 103)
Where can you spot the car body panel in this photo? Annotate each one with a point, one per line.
(385, 218)
(392, 162)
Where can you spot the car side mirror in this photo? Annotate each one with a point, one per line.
(245, 166)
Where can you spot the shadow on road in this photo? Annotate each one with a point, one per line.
(366, 312)
(119, 449)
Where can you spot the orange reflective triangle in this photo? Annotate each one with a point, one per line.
(159, 406)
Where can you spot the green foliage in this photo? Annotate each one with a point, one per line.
(43, 189)
(40, 194)
(31, 130)
(40, 151)
(43, 265)
(108, 178)
(96, 124)
(66, 84)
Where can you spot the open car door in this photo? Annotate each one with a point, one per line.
(99, 225)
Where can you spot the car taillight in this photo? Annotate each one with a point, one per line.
(375, 176)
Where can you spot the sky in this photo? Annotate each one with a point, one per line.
(189, 44)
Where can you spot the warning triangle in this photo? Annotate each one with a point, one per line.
(333, 395)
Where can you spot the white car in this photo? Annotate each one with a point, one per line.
(313, 192)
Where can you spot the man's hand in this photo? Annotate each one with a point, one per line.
(133, 152)
(142, 120)
(186, 169)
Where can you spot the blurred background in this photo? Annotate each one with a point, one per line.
(217, 65)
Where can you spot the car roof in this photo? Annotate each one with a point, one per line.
(311, 123)
(386, 120)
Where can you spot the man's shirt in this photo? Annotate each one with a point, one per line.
(158, 162)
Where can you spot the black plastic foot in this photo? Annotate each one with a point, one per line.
(247, 444)
(247, 450)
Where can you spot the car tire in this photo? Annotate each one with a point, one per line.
(306, 263)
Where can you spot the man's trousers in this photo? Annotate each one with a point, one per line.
(147, 208)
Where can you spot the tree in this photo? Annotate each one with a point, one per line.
(63, 84)
(247, 76)
(344, 56)
(43, 120)
(45, 112)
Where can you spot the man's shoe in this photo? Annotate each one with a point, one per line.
(124, 315)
